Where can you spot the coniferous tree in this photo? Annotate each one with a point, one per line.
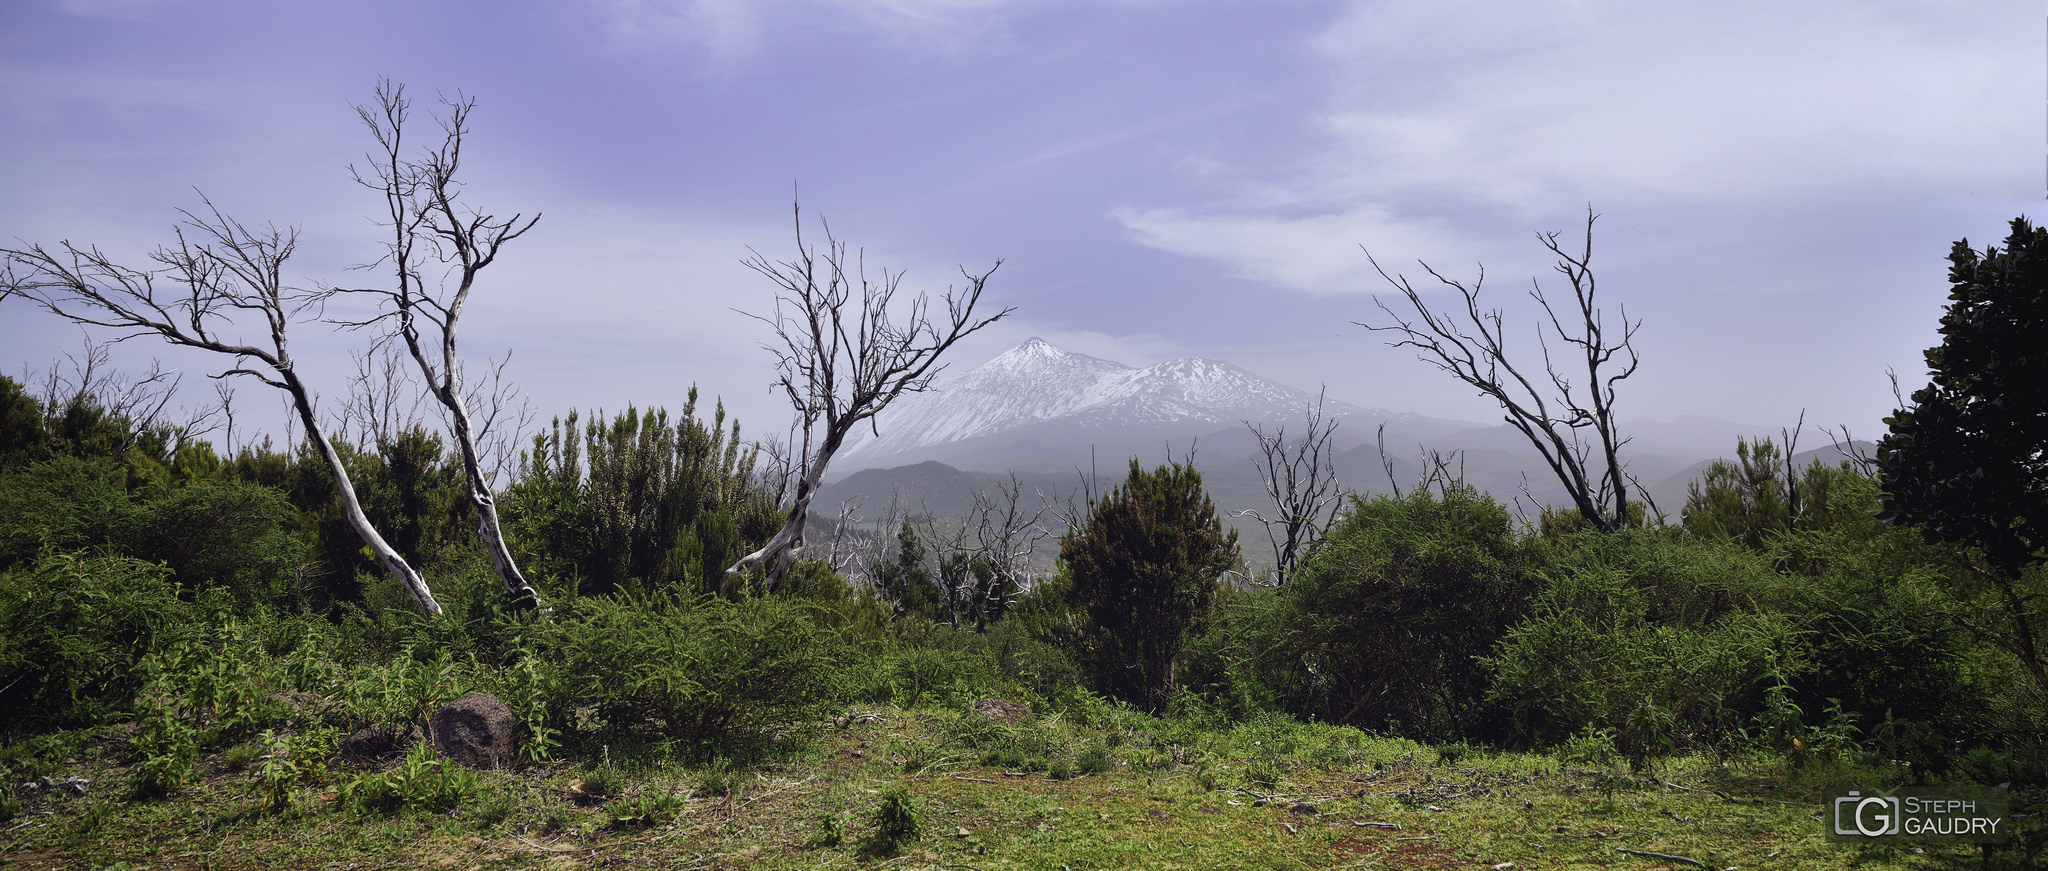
(1143, 570)
(1965, 460)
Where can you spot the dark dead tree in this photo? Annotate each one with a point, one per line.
(841, 357)
(1301, 479)
(433, 229)
(217, 270)
(1473, 349)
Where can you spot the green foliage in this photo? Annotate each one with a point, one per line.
(1964, 462)
(1020, 747)
(289, 763)
(1759, 497)
(718, 778)
(61, 504)
(906, 584)
(898, 820)
(1142, 571)
(832, 829)
(1656, 640)
(423, 780)
(1384, 626)
(646, 810)
(229, 534)
(408, 689)
(658, 504)
(73, 630)
(700, 670)
(162, 752)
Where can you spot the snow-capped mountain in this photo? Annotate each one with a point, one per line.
(1035, 389)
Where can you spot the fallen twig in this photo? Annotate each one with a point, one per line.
(1648, 855)
(1373, 824)
(972, 780)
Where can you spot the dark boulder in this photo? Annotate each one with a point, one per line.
(476, 730)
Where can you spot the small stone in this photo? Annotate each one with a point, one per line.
(1003, 711)
(960, 832)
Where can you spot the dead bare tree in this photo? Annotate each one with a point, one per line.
(1301, 479)
(383, 399)
(221, 269)
(143, 401)
(430, 228)
(1474, 350)
(841, 358)
(1006, 534)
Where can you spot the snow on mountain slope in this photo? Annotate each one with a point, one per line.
(1036, 383)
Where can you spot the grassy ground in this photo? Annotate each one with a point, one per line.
(1122, 792)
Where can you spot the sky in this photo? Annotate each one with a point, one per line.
(1777, 184)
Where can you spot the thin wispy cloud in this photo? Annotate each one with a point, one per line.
(1526, 108)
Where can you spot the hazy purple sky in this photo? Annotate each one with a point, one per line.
(1779, 183)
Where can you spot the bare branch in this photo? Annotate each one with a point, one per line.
(1301, 479)
(1579, 394)
(840, 360)
(218, 269)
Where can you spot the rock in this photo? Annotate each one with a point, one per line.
(476, 730)
(1003, 711)
(376, 745)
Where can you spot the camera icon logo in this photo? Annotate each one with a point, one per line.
(1871, 816)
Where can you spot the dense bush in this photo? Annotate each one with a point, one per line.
(703, 671)
(73, 631)
(1384, 626)
(1663, 640)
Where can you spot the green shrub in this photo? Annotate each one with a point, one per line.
(703, 671)
(493, 810)
(832, 829)
(291, 762)
(1093, 759)
(899, 820)
(645, 810)
(423, 780)
(73, 631)
(234, 535)
(1383, 626)
(1662, 642)
(162, 753)
(1142, 571)
(719, 778)
(238, 757)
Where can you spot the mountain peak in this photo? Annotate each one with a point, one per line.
(1037, 383)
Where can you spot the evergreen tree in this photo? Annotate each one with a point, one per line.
(906, 584)
(1965, 461)
(1143, 570)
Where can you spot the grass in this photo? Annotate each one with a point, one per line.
(1139, 793)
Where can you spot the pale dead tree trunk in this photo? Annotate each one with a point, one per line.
(841, 358)
(1008, 535)
(429, 227)
(1301, 479)
(228, 270)
(1474, 351)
